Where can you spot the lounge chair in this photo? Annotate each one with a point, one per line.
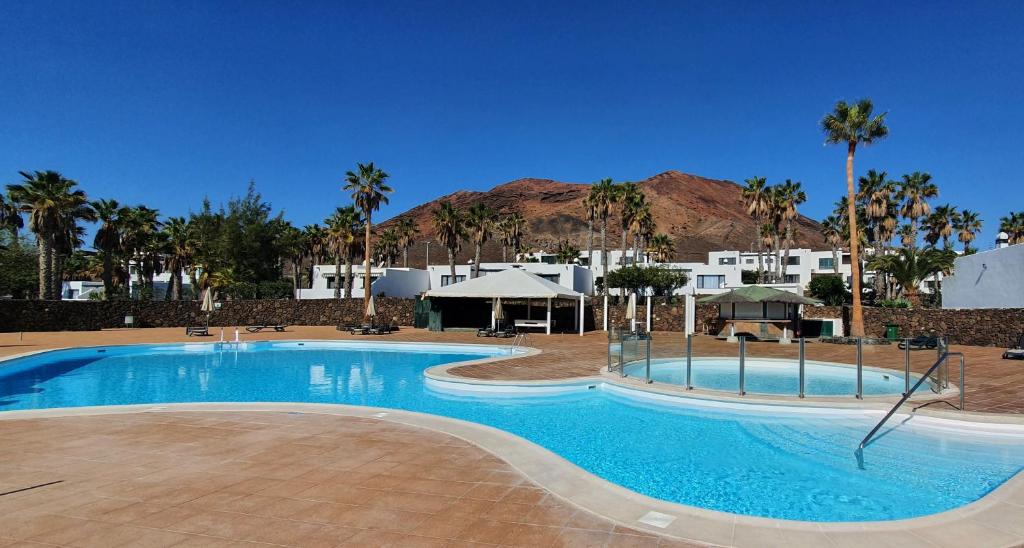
(506, 332)
(920, 342)
(257, 328)
(1017, 352)
(383, 329)
(359, 329)
(485, 332)
(197, 331)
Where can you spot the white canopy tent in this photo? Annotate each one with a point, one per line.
(514, 284)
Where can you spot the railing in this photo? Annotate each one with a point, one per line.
(943, 359)
(628, 347)
(517, 342)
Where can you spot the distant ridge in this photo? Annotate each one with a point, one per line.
(700, 215)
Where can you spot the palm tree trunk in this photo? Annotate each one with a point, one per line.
(338, 281)
(295, 276)
(636, 248)
(835, 259)
(857, 315)
(451, 264)
(622, 258)
(787, 243)
(45, 276)
(760, 250)
(590, 243)
(777, 269)
(193, 282)
(57, 285)
(476, 262)
(348, 274)
(604, 256)
(405, 256)
(108, 275)
(366, 265)
(504, 248)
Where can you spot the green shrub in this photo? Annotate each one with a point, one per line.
(242, 290)
(829, 289)
(661, 280)
(278, 289)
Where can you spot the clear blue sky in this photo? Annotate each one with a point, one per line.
(163, 103)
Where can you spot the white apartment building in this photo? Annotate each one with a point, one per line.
(571, 276)
(987, 279)
(388, 282)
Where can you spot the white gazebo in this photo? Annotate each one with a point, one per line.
(515, 283)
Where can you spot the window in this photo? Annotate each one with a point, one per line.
(550, 277)
(710, 282)
(792, 279)
(727, 260)
(446, 279)
(846, 259)
(826, 263)
(793, 260)
(548, 259)
(749, 261)
(330, 282)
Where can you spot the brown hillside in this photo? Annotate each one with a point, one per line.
(700, 215)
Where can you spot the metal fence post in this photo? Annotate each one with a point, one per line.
(622, 343)
(860, 368)
(743, 365)
(906, 367)
(648, 358)
(689, 361)
(963, 387)
(802, 360)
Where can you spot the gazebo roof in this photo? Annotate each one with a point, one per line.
(758, 294)
(513, 283)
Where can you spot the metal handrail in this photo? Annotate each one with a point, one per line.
(942, 359)
(518, 341)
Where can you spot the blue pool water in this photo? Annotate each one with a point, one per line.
(776, 464)
(767, 376)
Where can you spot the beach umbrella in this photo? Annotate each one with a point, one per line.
(207, 305)
(631, 311)
(499, 312)
(371, 309)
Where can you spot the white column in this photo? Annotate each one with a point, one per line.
(549, 317)
(648, 313)
(582, 308)
(606, 312)
(493, 321)
(690, 315)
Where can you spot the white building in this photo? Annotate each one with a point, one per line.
(386, 282)
(81, 290)
(987, 279)
(571, 276)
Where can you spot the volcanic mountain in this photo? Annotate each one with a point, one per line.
(699, 214)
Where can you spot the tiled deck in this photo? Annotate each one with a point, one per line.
(231, 479)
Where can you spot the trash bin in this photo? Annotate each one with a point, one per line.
(892, 331)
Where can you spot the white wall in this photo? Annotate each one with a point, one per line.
(392, 282)
(570, 276)
(988, 279)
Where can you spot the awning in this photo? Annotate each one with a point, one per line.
(758, 294)
(513, 283)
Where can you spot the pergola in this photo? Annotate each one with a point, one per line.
(515, 283)
(765, 309)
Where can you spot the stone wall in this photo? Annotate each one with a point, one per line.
(665, 315)
(18, 315)
(977, 327)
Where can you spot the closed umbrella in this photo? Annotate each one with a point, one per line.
(499, 312)
(207, 305)
(371, 309)
(631, 311)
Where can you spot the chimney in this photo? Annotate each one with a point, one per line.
(1002, 240)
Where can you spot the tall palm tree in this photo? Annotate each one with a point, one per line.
(369, 191)
(10, 218)
(292, 243)
(853, 124)
(108, 240)
(642, 227)
(316, 247)
(774, 221)
(478, 222)
(832, 230)
(914, 191)
(631, 200)
(942, 222)
(1013, 226)
(139, 228)
(341, 229)
(387, 248)
(791, 195)
(450, 229)
(179, 251)
(53, 204)
(407, 231)
(603, 195)
(755, 196)
(662, 247)
(512, 227)
(590, 210)
(967, 226)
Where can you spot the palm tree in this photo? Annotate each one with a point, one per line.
(342, 227)
(662, 247)
(53, 205)
(567, 253)
(942, 222)
(631, 199)
(387, 248)
(512, 227)
(478, 222)
(180, 248)
(910, 267)
(450, 229)
(1013, 226)
(774, 218)
(603, 195)
(914, 191)
(10, 218)
(407, 231)
(755, 196)
(108, 240)
(790, 195)
(316, 247)
(590, 210)
(292, 243)
(854, 125)
(642, 228)
(368, 192)
(967, 226)
(832, 230)
(139, 228)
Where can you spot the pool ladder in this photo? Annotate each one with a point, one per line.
(943, 360)
(517, 342)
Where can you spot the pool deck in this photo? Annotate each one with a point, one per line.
(248, 477)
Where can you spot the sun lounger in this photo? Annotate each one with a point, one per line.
(485, 332)
(383, 329)
(1017, 352)
(506, 332)
(359, 329)
(257, 328)
(197, 331)
(920, 342)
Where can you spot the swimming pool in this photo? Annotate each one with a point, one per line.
(772, 376)
(783, 463)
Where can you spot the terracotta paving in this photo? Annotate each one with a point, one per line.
(264, 478)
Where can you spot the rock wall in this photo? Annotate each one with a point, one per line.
(977, 327)
(93, 315)
(665, 315)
